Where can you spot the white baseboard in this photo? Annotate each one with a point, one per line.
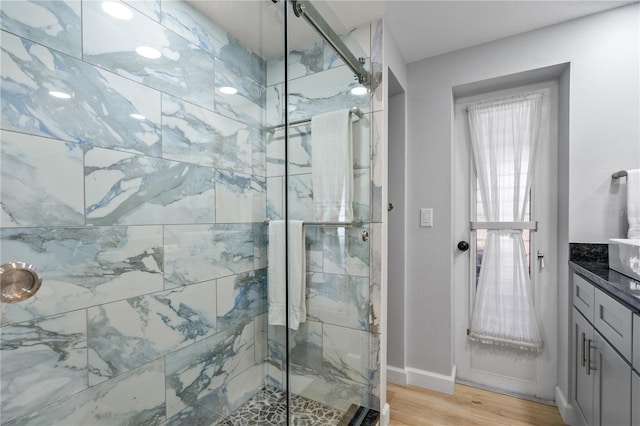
(396, 375)
(385, 415)
(421, 378)
(433, 381)
(568, 414)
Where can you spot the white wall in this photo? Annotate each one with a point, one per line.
(603, 137)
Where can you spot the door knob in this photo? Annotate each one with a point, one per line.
(463, 246)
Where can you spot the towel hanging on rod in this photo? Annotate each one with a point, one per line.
(633, 203)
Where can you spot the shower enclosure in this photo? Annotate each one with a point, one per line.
(146, 146)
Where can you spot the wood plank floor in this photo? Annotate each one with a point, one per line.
(413, 406)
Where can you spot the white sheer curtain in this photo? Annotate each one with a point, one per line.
(504, 136)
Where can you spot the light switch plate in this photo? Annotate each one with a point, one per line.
(426, 217)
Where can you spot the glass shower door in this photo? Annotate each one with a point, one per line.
(328, 364)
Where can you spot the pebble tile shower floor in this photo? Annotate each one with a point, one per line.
(268, 408)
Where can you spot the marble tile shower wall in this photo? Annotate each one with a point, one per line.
(335, 354)
(148, 231)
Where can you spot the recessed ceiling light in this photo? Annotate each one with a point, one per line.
(148, 52)
(359, 91)
(117, 10)
(228, 90)
(59, 95)
(137, 116)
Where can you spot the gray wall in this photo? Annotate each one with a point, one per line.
(564, 85)
(603, 135)
(396, 82)
(396, 271)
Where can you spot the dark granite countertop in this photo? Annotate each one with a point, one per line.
(621, 287)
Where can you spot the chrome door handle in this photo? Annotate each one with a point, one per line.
(589, 368)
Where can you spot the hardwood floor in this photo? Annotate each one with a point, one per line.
(413, 406)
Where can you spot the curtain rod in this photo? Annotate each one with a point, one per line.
(304, 8)
(354, 110)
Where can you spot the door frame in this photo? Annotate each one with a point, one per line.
(547, 175)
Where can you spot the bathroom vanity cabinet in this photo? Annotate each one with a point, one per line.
(606, 389)
(635, 376)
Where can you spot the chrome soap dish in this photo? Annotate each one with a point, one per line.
(18, 281)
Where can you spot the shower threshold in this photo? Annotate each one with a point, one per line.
(269, 408)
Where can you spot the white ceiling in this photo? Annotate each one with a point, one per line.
(428, 28)
(421, 28)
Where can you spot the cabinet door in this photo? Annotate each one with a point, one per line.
(636, 342)
(612, 385)
(583, 382)
(583, 296)
(614, 322)
(635, 399)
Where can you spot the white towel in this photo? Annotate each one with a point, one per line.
(297, 274)
(332, 166)
(276, 277)
(633, 203)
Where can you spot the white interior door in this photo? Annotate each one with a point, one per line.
(508, 370)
